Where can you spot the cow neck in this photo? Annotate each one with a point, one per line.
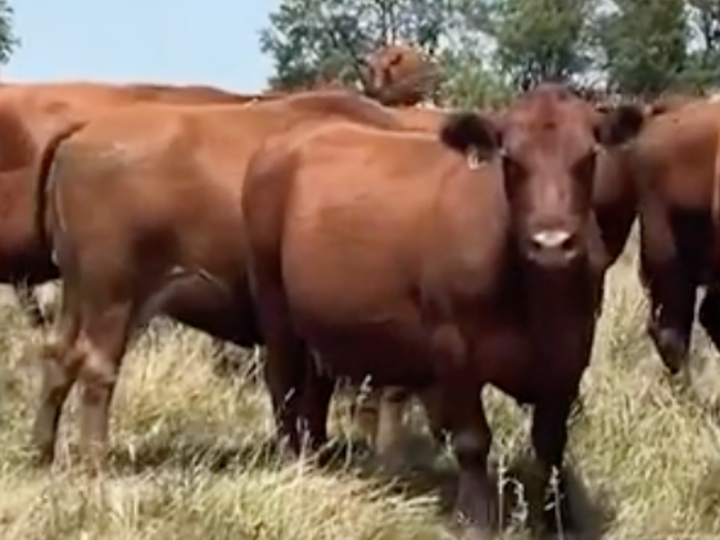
(560, 304)
(560, 311)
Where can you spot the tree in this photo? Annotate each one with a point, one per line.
(540, 40)
(469, 80)
(645, 46)
(314, 39)
(704, 59)
(8, 40)
(308, 42)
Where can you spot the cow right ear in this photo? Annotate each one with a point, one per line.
(471, 134)
(620, 124)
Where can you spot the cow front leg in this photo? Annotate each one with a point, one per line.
(549, 437)
(475, 504)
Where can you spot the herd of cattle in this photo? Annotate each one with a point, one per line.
(354, 236)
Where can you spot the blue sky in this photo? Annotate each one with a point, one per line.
(176, 41)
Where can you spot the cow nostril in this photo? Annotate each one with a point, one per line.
(568, 244)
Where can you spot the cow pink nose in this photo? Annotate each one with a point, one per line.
(553, 239)
(553, 247)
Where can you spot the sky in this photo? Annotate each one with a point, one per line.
(175, 41)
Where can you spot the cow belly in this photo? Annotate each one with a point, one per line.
(351, 303)
(383, 353)
(223, 313)
(365, 331)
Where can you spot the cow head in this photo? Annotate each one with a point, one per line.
(395, 75)
(547, 143)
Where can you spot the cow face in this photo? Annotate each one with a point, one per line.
(392, 73)
(547, 144)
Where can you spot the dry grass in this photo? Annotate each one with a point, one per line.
(192, 459)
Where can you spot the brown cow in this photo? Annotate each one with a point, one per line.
(143, 216)
(31, 115)
(390, 257)
(397, 75)
(677, 166)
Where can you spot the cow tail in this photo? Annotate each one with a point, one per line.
(42, 178)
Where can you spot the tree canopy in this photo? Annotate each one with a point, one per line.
(8, 40)
(486, 49)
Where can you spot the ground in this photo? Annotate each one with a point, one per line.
(192, 459)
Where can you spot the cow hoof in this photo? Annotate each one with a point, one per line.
(470, 533)
(41, 457)
(475, 508)
(671, 347)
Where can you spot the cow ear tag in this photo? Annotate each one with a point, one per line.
(473, 159)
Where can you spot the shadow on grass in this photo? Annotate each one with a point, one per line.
(185, 453)
(583, 516)
(179, 453)
(425, 472)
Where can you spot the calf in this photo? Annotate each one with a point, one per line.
(422, 263)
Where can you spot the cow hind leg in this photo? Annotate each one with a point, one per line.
(672, 310)
(30, 305)
(101, 343)
(380, 417)
(286, 363)
(670, 328)
(59, 372)
(316, 394)
(364, 410)
(390, 429)
(285, 373)
(430, 398)
(671, 289)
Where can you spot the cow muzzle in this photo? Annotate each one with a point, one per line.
(553, 248)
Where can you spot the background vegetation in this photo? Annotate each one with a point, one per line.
(488, 49)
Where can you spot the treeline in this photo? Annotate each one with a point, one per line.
(484, 50)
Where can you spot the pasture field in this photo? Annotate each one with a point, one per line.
(192, 459)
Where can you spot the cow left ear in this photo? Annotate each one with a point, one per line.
(620, 124)
(471, 133)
